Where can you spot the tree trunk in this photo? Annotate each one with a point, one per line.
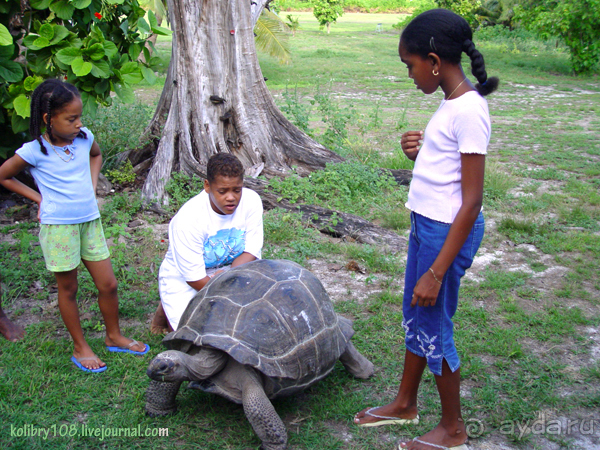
(216, 100)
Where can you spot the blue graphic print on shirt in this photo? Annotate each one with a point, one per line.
(222, 248)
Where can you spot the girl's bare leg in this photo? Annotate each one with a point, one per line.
(451, 430)
(404, 405)
(108, 301)
(67, 305)
(8, 329)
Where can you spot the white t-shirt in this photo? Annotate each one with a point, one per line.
(202, 242)
(460, 125)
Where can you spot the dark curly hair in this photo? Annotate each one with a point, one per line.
(448, 35)
(225, 165)
(49, 97)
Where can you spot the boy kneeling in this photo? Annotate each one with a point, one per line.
(220, 228)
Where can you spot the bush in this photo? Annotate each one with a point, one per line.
(118, 128)
(576, 22)
(348, 186)
(122, 175)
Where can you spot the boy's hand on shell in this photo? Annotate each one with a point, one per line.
(411, 143)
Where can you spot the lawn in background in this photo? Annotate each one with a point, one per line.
(528, 322)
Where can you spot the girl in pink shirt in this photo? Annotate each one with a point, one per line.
(447, 224)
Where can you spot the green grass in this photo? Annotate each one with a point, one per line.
(523, 324)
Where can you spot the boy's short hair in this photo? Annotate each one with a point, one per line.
(225, 165)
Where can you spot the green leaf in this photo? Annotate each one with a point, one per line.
(68, 55)
(10, 71)
(29, 40)
(19, 124)
(102, 87)
(149, 75)
(40, 4)
(81, 4)
(47, 31)
(5, 36)
(100, 69)
(63, 9)
(110, 49)
(124, 27)
(60, 33)
(90, 105)
(115, 2)
(95, 52)
(155, 28)
(22, 106)
(5, 152)
(143, 26)
(134, 51)
(41, 42)
(80, 67)
(31, 83)
(152, 19)
(125, 93)
(7, 51)
(155, 61)
(131, 73)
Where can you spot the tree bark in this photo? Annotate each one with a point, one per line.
(216, 100)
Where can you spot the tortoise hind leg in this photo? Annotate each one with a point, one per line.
(355, 363)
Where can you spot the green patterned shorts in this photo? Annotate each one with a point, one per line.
(64, 246)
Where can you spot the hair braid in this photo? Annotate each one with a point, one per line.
(447, 35)
(49, 97)
(485, 85)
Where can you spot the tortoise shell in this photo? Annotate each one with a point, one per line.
(273, 315)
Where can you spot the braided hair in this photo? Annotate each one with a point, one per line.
(448, 35)
(50, 96)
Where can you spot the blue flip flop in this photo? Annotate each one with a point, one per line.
(128, 348)
(77, 362)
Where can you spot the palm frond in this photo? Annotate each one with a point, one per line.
(272, 36)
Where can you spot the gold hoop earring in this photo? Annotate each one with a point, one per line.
(435, 74)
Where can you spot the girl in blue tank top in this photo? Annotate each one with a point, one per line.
(65, 161)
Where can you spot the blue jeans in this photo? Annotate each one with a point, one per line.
(429, 330)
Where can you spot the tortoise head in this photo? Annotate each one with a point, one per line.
(169, 366)
(199, 364)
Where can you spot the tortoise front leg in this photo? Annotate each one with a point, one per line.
(160, 397)
(261, 414)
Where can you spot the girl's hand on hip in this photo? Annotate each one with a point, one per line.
(426, 291)
(411, 143)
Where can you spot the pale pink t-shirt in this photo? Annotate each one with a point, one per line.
(460, 125)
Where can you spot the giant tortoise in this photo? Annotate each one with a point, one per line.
(258, 331)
